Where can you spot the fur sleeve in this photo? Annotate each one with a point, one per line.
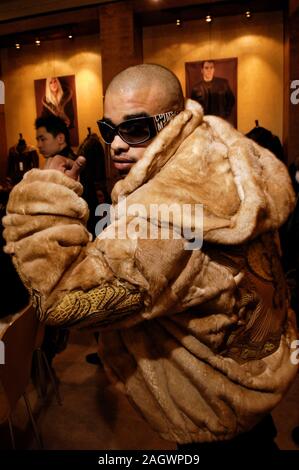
(45, 228)
(68, 278)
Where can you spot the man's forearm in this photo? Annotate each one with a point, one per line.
(95, 308)
(67, 276)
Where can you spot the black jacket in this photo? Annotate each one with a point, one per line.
(21, 158)
(216, 97)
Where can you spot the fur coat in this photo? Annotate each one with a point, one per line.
(199, 339)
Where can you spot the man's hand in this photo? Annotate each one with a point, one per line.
(71, 168)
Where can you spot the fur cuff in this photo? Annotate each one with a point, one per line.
(48, 192)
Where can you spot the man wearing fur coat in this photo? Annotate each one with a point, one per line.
(199, 339)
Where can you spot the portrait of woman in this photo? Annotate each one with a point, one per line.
(58, 101)
(56, 95)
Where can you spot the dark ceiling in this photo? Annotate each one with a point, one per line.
(85, 20)
(198, 10)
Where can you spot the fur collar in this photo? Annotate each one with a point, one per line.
(245, 190)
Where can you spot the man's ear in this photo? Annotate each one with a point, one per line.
(61, 138)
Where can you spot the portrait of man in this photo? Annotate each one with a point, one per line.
(212, 83)
(57, 96)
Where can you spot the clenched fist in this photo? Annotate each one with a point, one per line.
(71, 168)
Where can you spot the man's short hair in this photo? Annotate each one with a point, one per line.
(54, 125)
(205, 61)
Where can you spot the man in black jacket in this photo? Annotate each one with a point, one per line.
(213, 93)
(53, 138)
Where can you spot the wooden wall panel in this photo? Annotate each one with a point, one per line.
(292, 74)
(121, 40)
(3, 141)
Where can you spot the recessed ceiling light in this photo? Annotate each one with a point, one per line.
(208, 18)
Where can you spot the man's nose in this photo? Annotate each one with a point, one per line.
(118, 145)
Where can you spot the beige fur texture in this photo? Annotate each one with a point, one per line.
(209, 353)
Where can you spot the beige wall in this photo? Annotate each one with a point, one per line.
(80, 57)
(258, 45)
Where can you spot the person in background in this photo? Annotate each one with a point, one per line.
(198, 335)
(53, 138)
(213, 93)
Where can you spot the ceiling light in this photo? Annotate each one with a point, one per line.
(37, 42)
(18, 46)
(208, 18)
(70, 36)
(178, 22)
(247, 14)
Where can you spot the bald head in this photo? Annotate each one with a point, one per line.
(161, 83)
(140, 91)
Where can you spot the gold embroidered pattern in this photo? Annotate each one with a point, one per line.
(99, 306)
(259, 261)
(262, 299)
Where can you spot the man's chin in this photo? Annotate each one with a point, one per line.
(123, 167)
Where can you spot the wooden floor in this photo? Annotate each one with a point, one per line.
(95, 416)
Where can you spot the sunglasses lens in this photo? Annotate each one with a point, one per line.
(135, 131)
(107, 132)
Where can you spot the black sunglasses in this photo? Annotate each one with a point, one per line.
(135, 131)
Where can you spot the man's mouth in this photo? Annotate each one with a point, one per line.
(122, 163)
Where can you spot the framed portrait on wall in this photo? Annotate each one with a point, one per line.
(57, 95)
(213, 84)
